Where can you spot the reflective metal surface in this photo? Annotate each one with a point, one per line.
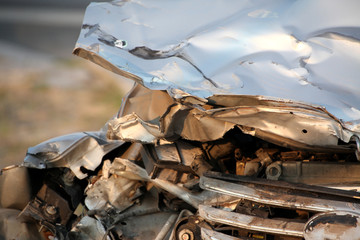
(300, 51)
(276, 197)
(74, 151)
(252, 222)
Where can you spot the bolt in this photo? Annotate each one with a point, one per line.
(51, 210)
(185, 236)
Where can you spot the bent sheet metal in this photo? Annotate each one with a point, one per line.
(294, 81)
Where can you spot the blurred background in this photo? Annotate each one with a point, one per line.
(45, 91)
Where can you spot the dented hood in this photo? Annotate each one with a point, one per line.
(305, 51)
(275, 67)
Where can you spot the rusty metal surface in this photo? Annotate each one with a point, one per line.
(333, 226)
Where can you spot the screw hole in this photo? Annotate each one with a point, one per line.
(120, 43)
(273, 171)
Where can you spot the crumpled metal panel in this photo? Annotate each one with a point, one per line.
(306, 51)
(289, 125)
(76, 150)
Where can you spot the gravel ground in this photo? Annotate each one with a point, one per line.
(43, 97)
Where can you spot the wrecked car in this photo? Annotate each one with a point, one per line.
(243, 123)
